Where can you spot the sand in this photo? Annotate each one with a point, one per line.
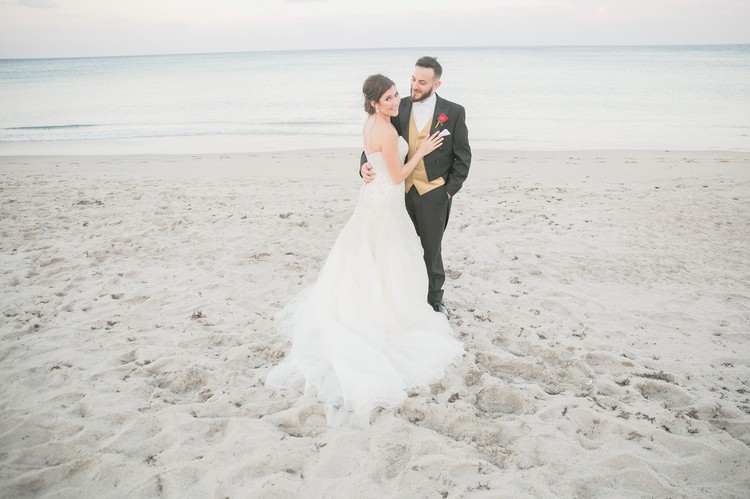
(603, 298)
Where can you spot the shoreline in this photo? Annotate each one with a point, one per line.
(335, 164)
(346, 150)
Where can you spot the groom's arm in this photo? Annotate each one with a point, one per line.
(461, 154)
(362, 161)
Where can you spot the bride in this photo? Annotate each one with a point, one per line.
(362, 334)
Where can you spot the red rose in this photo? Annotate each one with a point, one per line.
(442, 118)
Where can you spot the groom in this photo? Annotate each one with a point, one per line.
(433, 183)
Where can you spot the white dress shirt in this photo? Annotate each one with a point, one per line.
(423, 111)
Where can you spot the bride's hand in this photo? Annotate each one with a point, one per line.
(430, 144)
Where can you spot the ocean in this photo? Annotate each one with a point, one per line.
(516, 98)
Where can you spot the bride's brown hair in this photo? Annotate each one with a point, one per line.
(374, 88)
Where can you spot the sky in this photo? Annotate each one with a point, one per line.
(77, 28)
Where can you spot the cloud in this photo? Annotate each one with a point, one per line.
(38, 4)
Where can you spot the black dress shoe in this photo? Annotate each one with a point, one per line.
(439, 307)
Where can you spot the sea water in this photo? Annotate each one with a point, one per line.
(516, 98)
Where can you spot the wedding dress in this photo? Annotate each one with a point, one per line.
(363, 333)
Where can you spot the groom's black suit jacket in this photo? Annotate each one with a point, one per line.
(452, 159)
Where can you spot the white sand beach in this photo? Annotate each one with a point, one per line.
(603, 298)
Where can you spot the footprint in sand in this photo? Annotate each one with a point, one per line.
(184, 382)
(499, 399)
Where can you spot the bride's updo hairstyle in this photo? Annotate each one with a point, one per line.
(374, 88)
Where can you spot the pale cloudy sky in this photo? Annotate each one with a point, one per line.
(58, 28)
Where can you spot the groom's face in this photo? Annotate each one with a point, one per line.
(423, 83)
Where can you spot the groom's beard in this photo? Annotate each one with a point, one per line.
(424, 96)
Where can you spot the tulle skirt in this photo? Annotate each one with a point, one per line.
(363, 333)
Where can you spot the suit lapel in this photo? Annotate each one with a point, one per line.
(440, 108)
(403, 115)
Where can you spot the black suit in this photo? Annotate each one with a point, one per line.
(430, 211)
(452, 159)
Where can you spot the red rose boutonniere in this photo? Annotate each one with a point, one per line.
(441, 120)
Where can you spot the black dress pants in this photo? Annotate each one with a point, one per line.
(429, 213)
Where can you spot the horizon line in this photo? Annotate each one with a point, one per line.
(467, 47)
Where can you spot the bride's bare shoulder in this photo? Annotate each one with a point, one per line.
(384, 132)
(377, 133)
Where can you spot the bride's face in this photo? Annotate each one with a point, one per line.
(389, 102)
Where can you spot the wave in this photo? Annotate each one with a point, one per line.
(64, 133)
(50, 127)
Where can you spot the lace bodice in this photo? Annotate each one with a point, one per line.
(377, 161)
(381, 196)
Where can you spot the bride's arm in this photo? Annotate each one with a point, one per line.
(396, 169)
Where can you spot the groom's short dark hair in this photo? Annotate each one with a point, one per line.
(430, 62)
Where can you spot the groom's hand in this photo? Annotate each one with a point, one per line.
(368, 174)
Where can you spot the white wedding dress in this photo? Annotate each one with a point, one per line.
(363, 333)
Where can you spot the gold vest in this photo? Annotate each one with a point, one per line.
(418, 177)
